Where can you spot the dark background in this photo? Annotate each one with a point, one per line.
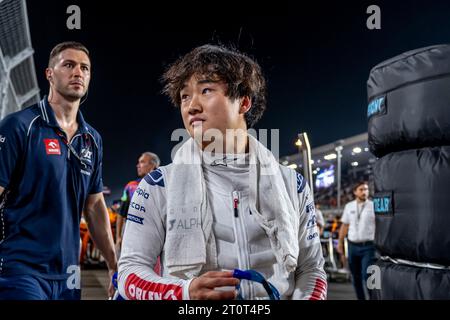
(316, 57)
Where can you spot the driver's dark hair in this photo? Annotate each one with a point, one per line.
(242, 75)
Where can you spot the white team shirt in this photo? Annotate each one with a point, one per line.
(361, 220)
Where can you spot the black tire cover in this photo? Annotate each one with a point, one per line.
(403, 282)
(412, 205)
(409, 101)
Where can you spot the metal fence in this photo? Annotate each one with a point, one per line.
(18, 83)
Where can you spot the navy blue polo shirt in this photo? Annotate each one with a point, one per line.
(47, 180)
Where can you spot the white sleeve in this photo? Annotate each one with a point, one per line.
(310, 277)
(142, 244)
(320, 219)
(345, 219)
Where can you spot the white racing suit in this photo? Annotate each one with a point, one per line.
(241, 243)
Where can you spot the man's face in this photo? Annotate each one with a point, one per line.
(362, 192)
(205, 106)
(70, 74)
(144, 165)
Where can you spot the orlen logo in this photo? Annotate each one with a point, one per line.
(134, 218)
(52, 146)
(137, 288)
(2, 139)
(140, 192)
(136, 293)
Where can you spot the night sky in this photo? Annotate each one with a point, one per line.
(316, 59)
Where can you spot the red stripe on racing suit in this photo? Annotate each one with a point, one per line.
(140, 289)
(320, 290)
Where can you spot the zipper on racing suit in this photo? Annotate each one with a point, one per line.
(241, 238)
(236, 203)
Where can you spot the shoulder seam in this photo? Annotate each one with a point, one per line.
(301, 182)
(93, 138)
(153, 179)
(31, 124)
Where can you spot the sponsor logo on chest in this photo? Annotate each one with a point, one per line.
(185, 224)
(52, 147)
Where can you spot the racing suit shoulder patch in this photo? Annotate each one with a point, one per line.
(155, 178)
(301, 182)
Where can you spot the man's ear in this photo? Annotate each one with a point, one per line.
(246, 104)
(49, 74)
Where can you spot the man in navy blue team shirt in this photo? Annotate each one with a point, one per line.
(51, 171)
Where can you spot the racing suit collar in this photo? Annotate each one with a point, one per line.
(236, 160)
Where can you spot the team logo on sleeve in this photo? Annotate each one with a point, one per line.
(133, 218)
(311, 226)
(312, 221)
(310, 208)
(141, 193)
(86, 154)
(52, 146)
(301, 183)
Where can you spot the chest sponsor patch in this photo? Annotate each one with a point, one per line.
(52, 146)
